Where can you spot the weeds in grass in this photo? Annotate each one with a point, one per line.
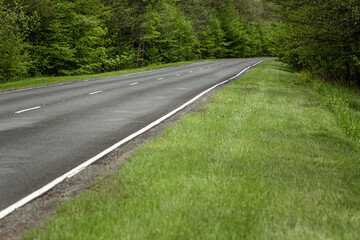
(343, 101)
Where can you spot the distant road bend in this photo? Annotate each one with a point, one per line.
(47, 131)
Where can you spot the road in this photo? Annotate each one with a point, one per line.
(47, 131)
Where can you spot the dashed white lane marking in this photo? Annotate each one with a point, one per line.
(135, 83)
(160, 78)
(27, 110)
(178, 75)
(93, 93)
(190, 71)
(46, 188)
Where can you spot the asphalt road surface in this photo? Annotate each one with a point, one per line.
(47, 131)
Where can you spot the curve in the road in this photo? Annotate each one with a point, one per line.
(102, 88)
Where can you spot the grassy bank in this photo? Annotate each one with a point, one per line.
(37, 81)
(264, 159)
(344, 102)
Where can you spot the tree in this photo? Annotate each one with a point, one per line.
(66, 37)
(13, 59)
(174, 39)
(322, 36)
(235, 37)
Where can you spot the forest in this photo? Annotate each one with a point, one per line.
(72, 37)
(322, 37)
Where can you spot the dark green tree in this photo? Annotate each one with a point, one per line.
(235, 37)
(67, 36)
(13, 58)
(321, 36)
(173, 38)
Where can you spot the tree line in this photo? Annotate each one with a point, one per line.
(70, 37)
(322, 37)
(63, 37)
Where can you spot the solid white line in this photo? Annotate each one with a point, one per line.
(93, 93)
(132, 84)
(27, 110)
(257, 63)
(81, 167)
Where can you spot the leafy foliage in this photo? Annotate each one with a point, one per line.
(12, 56)
(59, 37)
(321, 36)
(67, 38)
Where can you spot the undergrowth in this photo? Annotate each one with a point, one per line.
(343, 101)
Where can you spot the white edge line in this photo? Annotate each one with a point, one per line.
(27, 110)
(258, 63)
(81, 167)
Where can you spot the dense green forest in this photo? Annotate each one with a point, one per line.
(322, 37)
(70, 37)
(63, 37)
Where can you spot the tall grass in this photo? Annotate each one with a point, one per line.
(344, 102)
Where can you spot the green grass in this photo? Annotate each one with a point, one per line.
(37, 81)
(344, 102)
(264, 159)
